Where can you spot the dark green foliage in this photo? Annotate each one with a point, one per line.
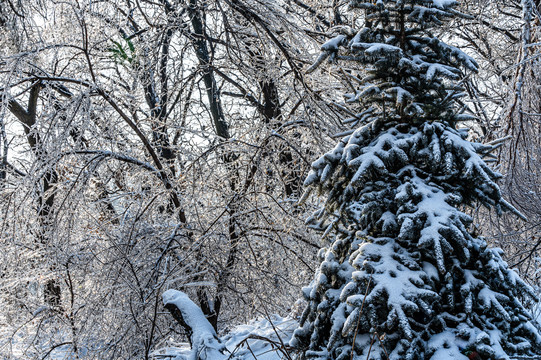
(120, 53)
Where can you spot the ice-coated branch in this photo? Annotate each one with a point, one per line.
(205, 343)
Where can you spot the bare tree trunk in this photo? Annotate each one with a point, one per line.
(46, 193)
(211, 308)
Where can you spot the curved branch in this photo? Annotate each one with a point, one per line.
(146, 143)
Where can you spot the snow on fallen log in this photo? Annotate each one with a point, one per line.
(203, 339)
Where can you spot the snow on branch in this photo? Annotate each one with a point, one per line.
(205, 343)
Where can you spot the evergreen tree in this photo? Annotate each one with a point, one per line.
(404, 276)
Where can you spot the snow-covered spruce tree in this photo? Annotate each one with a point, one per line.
(404, 277)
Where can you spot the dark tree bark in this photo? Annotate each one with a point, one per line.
(46, 192)
(211, 308)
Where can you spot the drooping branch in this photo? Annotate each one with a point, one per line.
(25, 116)
(201, 334)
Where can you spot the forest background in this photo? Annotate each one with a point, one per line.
(148, 145)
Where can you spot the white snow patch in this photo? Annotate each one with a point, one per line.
(444, 4)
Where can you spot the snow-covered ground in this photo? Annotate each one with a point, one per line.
(262, 339)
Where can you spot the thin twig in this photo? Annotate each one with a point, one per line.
(359, 318)
(370, 348)
(381, 344)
